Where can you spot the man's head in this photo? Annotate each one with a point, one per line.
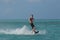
(32, 15)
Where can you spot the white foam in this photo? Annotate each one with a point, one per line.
(21, 31)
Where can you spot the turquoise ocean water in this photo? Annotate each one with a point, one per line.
(21, 29)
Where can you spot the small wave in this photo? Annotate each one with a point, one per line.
(21, 31)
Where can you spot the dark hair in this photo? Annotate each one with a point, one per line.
(32, 15)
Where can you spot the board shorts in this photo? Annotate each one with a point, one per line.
(32, 25)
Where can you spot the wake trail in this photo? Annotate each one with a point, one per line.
(21, 31)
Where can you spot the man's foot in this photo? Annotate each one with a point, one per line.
(36, 31)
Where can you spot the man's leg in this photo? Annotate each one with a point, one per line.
(33, 29)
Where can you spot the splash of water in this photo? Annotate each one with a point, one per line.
(21, 31)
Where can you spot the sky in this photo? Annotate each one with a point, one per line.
(22, 9)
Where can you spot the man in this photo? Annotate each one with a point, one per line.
(31, 19)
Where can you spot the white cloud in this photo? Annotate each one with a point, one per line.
(33, 0)
(7, 1)
(7, 11)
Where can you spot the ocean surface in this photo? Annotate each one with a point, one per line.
(21, 30)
